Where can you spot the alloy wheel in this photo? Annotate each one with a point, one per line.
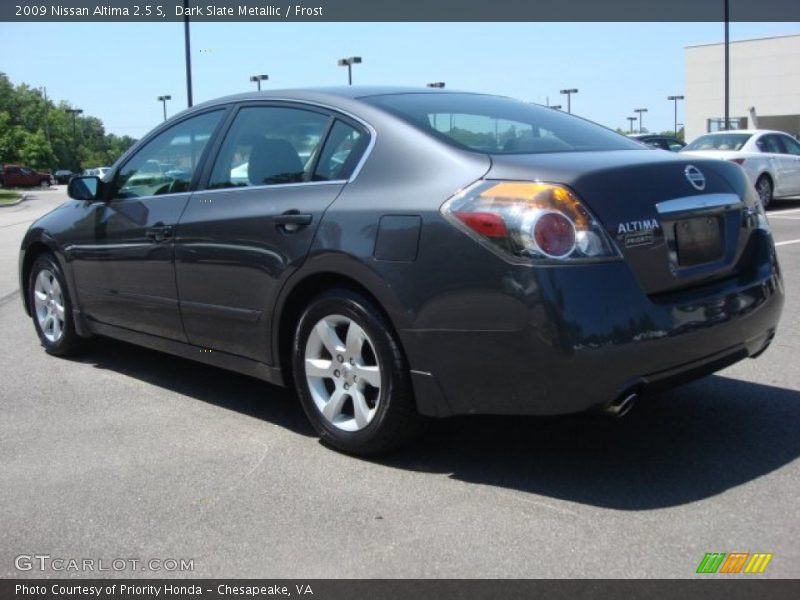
(49, 305)
(343, 373)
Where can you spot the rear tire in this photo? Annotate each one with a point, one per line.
(51, 308)
(765, 190)
(351, 375)
(44, 184)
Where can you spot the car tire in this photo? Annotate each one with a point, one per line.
(51, 308)
(351, 375)
(765, 190)
(44, 184)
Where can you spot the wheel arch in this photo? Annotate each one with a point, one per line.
(325, 274)
(33, 251)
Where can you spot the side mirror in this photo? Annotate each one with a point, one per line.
(84, 188)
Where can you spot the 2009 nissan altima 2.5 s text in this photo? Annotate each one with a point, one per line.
(400, 254)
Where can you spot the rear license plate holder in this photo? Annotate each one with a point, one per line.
(698, 240)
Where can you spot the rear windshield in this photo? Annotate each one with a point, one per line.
(496, 125)
(720, 141)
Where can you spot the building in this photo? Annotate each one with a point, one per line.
(764, 85)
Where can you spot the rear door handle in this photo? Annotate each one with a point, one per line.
(159, 233)
(292, 221)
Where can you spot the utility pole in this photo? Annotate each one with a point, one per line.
(75, 112)
(727, 64)
(188, 45)
(46, 115)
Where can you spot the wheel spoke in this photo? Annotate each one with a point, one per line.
(59, 310)
(360, 409)
(56, 327)
(371, 375)
(333, 407)
(355, 340)
(319, 367)
(330, 339)
(43, 282)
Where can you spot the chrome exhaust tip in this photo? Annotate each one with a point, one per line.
(622, 405)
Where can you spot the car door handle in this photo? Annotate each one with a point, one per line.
(292, 221)
(159, 233)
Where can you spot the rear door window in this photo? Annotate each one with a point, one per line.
(269, 145)
(342, 152)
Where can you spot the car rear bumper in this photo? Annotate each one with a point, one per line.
(567, 339)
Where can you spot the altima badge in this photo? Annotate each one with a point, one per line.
(638, 233)
(695, 177)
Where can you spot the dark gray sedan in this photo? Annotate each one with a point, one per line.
(400, 254)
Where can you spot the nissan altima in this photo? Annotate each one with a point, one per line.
(401, 254)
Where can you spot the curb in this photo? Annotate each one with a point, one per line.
(21, 199)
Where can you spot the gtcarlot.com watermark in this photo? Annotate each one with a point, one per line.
(47, 563)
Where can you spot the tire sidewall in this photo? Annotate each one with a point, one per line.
(68, 339)
(356, 308)
(768, 181)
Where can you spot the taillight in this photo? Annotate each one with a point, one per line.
(738, 161)
(530, 221)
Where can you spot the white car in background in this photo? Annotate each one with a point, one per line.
(771, 159)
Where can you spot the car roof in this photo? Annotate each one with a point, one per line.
(344, 98)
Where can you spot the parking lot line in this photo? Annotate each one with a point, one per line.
(774, 213)
(787, 242)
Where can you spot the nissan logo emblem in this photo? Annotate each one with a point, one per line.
(695, 177)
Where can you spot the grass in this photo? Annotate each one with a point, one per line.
(8, 197)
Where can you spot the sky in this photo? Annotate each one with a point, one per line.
(115, 71)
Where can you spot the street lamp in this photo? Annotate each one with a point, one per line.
(258, 79)
(163, 100)
(349, 62)
(436, 84)
(554, 106)
(569, 93)
(74, 112)
(675, 121)
(631, 121)
(640, 111)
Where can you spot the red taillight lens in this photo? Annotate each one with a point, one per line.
(554, 234)
(738, 161)
(529, 221)
(485, 223)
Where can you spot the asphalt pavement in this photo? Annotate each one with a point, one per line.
(130, 454)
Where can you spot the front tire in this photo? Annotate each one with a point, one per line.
(351, 375)
(51, 308)
(765, 190)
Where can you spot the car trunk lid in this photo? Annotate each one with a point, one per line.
(676, 220)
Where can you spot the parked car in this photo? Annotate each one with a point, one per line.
(19, 176)
(661, 142)
(771, 159)
(63, 176)
(522, 261)
(100, 172)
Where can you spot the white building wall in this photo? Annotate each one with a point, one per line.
(764, 73)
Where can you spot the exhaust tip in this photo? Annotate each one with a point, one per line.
(622, 405)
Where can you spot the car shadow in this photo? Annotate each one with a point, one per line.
(682, 446)
(232, 391)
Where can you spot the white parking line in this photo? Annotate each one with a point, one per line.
(797, 218)
(782, 212)
(787, 242)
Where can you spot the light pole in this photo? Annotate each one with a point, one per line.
(436, 84)
(349, 62)
(188, 50)
(727, 64)
(675, 121)
(74, 112)
(554, 106)
(631, 121)
(163, 100)
(640, 111)
(569, 93)
(257, 79)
